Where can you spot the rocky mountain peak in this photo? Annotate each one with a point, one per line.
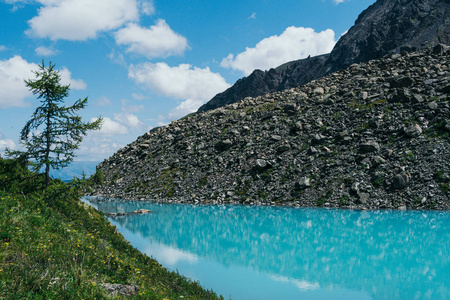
(387, 26)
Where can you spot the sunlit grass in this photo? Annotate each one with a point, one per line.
(52, 246)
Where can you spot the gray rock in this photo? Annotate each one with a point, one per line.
(401, 181)
(439, 49)
(363, 198)
(416, 98)
(275, 138)
(224, 145)
(142, 211)
(368, 147)
(378, 160)
(433, 105)
(303, 182)
(297, 126)
(312, 150)
(283, 148)
(413, 130)
(318, 91)
(355, 187)
(400, 81)
(124, 290)
(261, 164)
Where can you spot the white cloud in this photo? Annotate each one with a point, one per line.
(8, 143)
(13, 72)
(66, 79)
(110, 127)
(146, 7)
(103, 101)
(129, 120)
(79, 20)
(98, 148)
(157, 41)
(44, 51)
(182, 82)
(338, 1)
(253, 16)
(3, 48)
(294, 43)
(186, 107)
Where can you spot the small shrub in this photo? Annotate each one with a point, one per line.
(343, 200)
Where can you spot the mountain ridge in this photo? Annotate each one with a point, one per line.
(372, 136)
(384, 28)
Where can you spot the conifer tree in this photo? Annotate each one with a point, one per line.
(54, 131)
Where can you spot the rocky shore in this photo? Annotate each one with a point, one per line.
(372, 136)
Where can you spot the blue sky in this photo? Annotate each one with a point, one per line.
(145, 63)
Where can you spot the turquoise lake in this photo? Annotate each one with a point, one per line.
(247, 252)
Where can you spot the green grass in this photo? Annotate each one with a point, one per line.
(52, 246)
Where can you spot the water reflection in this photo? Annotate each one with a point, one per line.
(381, 254)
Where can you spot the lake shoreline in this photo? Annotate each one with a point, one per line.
(293, 204)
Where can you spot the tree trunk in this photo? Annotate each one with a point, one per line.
(47, 174)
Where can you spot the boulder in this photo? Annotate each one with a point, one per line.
(401, 181)
(368, 147)
(413, 130)
(303, 182)
(121, 290)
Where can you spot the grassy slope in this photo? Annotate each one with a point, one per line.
(52, 246)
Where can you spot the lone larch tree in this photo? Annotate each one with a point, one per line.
(54, 131)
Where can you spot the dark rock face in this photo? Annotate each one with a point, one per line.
(345, 140)
(385, 27)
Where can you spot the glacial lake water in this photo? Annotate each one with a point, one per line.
(246, 252)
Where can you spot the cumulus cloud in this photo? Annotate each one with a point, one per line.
(8, 143)
(156, 41)
(14, 71)
(44, 51)
(110, 127)
(79, 20)
(96, 147)
(294, 43)
(66, 79)
(184, 108)
(181, 82)
(12, 86)
(191, 84)
(146, 7)
(129, 120)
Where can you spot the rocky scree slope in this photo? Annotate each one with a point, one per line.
(385, 27)
(375, 135)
